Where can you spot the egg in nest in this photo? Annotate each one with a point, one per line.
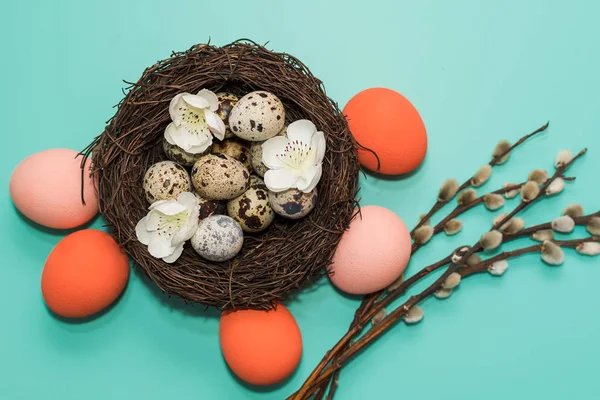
(293, 203)
(218, 238)
(234, 149)
(226, 103)
(180, 156)
(252, 209)
(166, 180)
(220, 177)
(257, 116)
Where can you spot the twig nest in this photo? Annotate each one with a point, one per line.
(226, 102)
(538, 176)
(589, 248)
(530, 191)
(234, 149)
(493, 201)
(511, 193)
(482, 175)
(220, 177)
(552, 254)
(448, 190)
(414, 315)
(180, 156)
(593, 226)
(491, 240)
(467, 197)
(502, 151)
(218, 238)
(166, 180)
(573, 210)
(257, 116)
(556, 186)
(543, 235)
(452, 227)
(293, 203)
(252, 209)
(498, 268)
(564, 224)
(256, 154)
(563, 158)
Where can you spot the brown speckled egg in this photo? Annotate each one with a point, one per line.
(226, 103)
(180, 156)
(252, 209)
(166, 180)
(220, 177)
(234, 149)
(256, 154)
(210, 207)
(218, 238)
(257, 116)
(293, 203)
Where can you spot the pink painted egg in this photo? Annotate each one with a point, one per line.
(46, 188)
(373, 252)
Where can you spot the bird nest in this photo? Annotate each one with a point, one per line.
(273, 264)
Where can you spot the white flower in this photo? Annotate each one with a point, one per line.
(294, 161)
(194, 121)
(168, 225)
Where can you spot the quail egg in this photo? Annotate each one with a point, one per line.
(257, 116)
(210, 207)
(218, 238)
(180, 156)
(252, 209)
(293, 203)
(166, 180)
(226, 103)
(219, 177)
(234, 149)
(256, 154)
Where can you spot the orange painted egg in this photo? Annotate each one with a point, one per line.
(373, 252)
(46, 188)
(384, 121)
(261, 347)
(84, 273)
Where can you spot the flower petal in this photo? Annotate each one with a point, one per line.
(271, 149)
(160, 248)
(310, 179)
(318, 145)
(175, 256)
(198, 102)
(141, 232)
(199, 149)
(211, 98)
(169, 208)
(171, 128)
(178, 135)
(174, 108)
(215, 124)
(188, 200)
(301, 130)
(278, 180)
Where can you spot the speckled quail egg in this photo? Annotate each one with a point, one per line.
(180, 156)
(226, 103)
(252, 209)
(257, 116)
(210, 207)
(166, 180)
(218, 238)
(220, 177)
(256, 154)
(234, 149)
(293, 203)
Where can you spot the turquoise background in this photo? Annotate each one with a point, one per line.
(477, 71)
